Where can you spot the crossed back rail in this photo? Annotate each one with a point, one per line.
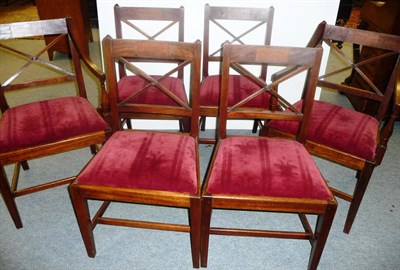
(306, 60)
(166, 21)
(185, 54)
(377, 47)
(54, 73)
(238, 25)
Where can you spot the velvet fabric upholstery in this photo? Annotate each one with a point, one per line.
(48, 121)
(129, 85)
(240, 87)
(261, 167)
(145, 160)
(339, 128)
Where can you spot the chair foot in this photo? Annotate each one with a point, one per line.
(322, 228)
(363, 178)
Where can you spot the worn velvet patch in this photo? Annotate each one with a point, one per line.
(145, 160)
(339, 128)
(273, 167)
(48, 121)
(130, 85)
(240, 87)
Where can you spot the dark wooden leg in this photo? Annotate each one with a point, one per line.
(359, 191)
(195, 225)
(81, 208)
(185, 125)
(9, 199)
(205, 229)
(322, 228)
(25, 165)
(202, 123)
(93, 149)
(128, 123)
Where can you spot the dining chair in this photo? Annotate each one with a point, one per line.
(141, 166)
(239, 25)
(152, 23)
(274, 175)
(355, 139)
(44, 105)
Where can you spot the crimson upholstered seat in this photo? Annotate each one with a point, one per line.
(167, 162)
(48, 121)
(338, 127)
(269, 168)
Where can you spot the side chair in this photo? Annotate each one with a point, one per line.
(149, 23)
(253, 173)
(45, 110)
(140, 166)
(344, 136)
(239, 25)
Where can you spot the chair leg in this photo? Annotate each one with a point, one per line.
(362, 183)
(202, 123)
(205, 229)
(9, 199)
(255, 126)
(195, 225)
(322, 228)
(184, 125)
(25, 165)
(82, 214)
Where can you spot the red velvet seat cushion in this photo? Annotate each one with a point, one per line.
(339, 128)
(48, 121)
(129, 85)
(240, 88)
(144, 160)
(273, 167)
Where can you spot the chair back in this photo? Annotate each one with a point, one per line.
(307, 62)
(187, 55)
(368, 86)
(46, 72)
(133, 22)
(239, 25)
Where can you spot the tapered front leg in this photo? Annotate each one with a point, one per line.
(82, 214)
(322, 228)
(195, 226)
(205, 229)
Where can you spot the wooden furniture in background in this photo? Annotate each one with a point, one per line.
(78, 11)
(382, 17)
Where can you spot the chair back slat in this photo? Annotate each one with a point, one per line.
(188, 55)
(373, 92)
(256, 21)
(32, 57)
(307, 62)
(128, 25)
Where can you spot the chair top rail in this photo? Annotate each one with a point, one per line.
(33, 28)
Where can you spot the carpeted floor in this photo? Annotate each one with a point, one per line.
(18, 10)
